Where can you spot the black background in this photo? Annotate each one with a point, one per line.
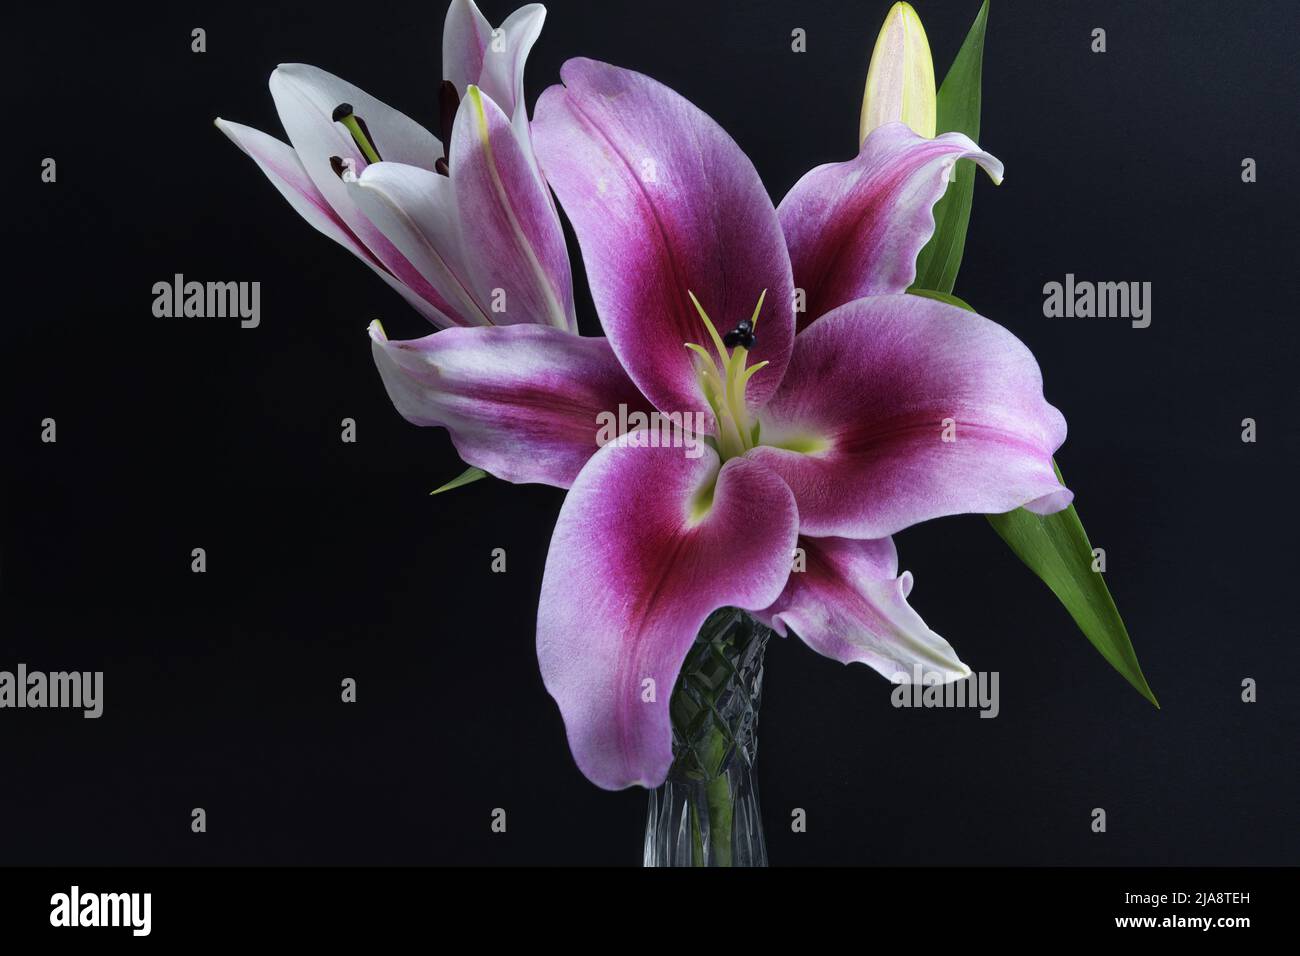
(328, 560)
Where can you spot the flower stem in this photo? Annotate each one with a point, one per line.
(718, 794)
(706, 813)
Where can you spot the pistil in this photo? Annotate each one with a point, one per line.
(357, 127)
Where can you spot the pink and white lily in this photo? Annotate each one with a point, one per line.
(463, 228)
(829, 423)
(840, 410)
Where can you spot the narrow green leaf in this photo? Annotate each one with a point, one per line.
(943, 297)
(958, 110)
(466, 477)
(1056, 548)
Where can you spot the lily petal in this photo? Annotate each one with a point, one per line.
(664, 203)
(854, 229)
(630, 578)
(850, 604)
(282, 167)
(416, 210)
(503, 69)
(474, 54)
(310, 95)
(898, 409)
(514, 244)
(305, 98)
(465, 37)
(520, 401)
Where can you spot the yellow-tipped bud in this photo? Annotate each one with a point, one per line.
(900, 80)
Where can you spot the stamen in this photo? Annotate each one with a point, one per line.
(746, 375)
(448, 103)
(357, 127)
(713, 332)
(723, 384)
(706, 367)
(753, 319)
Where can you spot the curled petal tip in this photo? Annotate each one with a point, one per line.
(1056, 500)
(993, 167)
(227, 130)
(376, 331)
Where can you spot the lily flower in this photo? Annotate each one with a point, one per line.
(464, 228)
(838, 409)
(831, 428)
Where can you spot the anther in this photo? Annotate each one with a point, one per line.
(448, 103)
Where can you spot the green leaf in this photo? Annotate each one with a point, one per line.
(466, 477)
(943, 297)
(958, 110)
(1056, 548)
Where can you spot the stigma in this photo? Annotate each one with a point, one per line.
(742, 335)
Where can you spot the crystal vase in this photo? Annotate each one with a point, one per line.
(706, 813)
